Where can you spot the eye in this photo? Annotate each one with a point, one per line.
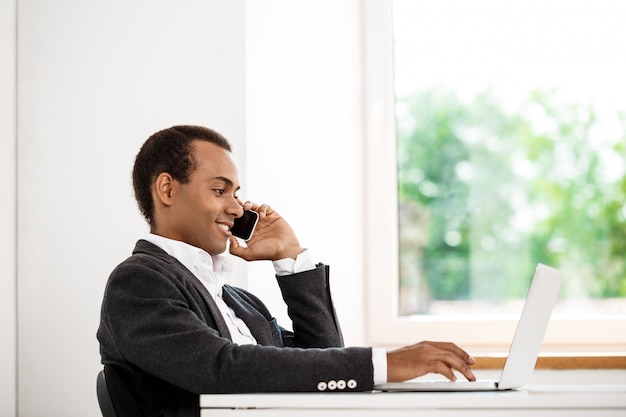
(219, 191)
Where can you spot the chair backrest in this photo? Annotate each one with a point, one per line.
(114, 397)
(104, 399)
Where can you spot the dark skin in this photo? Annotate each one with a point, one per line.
(201, 213)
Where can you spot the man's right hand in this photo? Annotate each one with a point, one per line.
(273, 238)
(428, 357)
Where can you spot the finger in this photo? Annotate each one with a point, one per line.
(236, 249)
(466, 371)
(234, 244)
(250, 205)
(443, 369)
(454, 358)
(455, 362)
(263, 209)
(451, 347)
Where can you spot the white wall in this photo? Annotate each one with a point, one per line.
(95, 80)
(7, 209)
(304, 139)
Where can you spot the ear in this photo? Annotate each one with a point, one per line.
(164, 188)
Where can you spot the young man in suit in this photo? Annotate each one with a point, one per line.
(173, 327)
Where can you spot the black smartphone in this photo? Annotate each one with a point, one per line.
(244, 225)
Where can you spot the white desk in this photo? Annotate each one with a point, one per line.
(540, 400)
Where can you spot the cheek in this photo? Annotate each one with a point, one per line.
(198, 203)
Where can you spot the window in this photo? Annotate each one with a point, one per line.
(510, 150)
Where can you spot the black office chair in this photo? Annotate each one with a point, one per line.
(114, 396)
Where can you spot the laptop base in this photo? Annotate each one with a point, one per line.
(438, 386)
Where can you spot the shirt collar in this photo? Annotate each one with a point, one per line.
(212, 271)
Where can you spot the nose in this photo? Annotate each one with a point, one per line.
(234, 208)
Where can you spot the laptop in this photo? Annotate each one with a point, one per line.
(524, 348)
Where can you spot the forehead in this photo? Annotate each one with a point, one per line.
(214, 161)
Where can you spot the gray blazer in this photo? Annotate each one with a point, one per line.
(160, 327)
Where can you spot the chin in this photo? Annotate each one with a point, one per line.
(217, 250)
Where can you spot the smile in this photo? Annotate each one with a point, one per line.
(224, 226)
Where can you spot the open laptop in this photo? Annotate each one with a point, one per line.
(523, 351)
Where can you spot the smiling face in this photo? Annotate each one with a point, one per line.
(201, 211)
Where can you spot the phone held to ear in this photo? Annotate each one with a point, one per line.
(244, 225)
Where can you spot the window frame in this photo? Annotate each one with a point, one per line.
(384, 326)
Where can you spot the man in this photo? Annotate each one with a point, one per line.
(174, 328)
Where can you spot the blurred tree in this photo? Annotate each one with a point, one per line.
(496, 192)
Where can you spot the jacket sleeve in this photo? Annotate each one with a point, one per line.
(311, 309)
(153, 322)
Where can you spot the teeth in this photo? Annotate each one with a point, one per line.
(224, 226)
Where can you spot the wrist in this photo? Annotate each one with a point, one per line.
(291, 253)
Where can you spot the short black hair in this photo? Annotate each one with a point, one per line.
(169, 150)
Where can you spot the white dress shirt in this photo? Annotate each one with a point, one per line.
(215, 271)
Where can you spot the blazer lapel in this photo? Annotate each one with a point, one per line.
(256, 322)
(147, 247)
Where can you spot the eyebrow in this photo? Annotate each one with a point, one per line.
(225, 180)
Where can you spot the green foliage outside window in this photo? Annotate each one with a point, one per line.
(485, 193)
